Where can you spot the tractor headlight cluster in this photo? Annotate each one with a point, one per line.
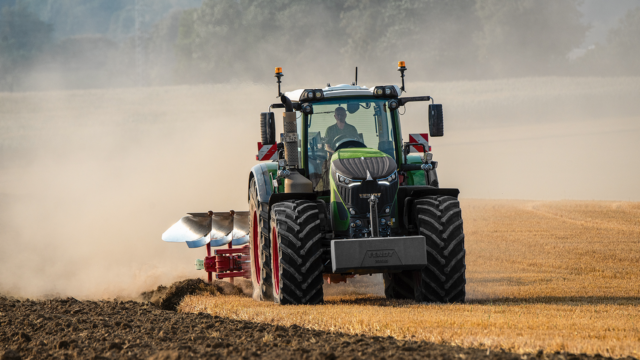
(345, 180)
(388, 180)
(386, 91)
(312, 94)
(307, 109)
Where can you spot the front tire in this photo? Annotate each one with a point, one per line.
(260, 254)
(296, 238)
(439, 220)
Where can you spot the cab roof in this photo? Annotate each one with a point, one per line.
(338, 91)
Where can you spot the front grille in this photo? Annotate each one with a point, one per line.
(358, 196)
(356, 168)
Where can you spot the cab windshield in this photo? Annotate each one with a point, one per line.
(346, 123)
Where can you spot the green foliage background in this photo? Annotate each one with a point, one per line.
(91, 43)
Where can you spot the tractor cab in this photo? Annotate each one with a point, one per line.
(344, 117)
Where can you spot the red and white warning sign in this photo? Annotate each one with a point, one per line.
(420, 139)
(267, 152)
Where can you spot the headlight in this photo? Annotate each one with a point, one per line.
(318, 94)
(353, 212)
(383, 221)
(307, 109)
(345, 180)
(358, 222)
(387, 91)
(393, 176)
(310, 95)
(378, 91)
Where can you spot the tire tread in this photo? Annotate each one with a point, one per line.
(443, 279)
(298, 224)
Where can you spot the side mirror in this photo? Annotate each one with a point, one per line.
(267, 128)
(436, 124)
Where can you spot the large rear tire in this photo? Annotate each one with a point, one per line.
(399, 285)
(296, 237)
(260, 246)
(439, 220)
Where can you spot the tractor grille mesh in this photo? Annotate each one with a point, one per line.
(345, 193)
(356, 168)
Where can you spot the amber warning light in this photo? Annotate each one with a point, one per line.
(279, 75)
(402, 69)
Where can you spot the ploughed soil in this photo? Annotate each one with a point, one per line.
(151, 329)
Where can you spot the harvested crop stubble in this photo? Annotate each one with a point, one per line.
(557, 276)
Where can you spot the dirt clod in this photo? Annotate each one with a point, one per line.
(114, 346)
(25, 337)
(165, 355)
(10, 354)
(168, 298)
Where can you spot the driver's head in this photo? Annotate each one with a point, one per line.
(340, 114)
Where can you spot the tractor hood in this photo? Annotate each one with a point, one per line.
(360, 163)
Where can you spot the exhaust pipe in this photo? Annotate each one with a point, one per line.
(294, 182)
(290, 127)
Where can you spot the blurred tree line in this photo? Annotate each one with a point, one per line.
(90, 43)
(81, 43)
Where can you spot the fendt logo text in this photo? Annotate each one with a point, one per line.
(381, 254)
(366, 196)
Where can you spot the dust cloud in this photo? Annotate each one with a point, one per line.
(89, 180)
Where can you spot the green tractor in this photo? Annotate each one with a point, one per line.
(341, 195)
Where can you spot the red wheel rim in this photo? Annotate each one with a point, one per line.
(255, 244)
(276, 261)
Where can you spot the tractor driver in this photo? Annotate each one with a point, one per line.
(339, 128)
